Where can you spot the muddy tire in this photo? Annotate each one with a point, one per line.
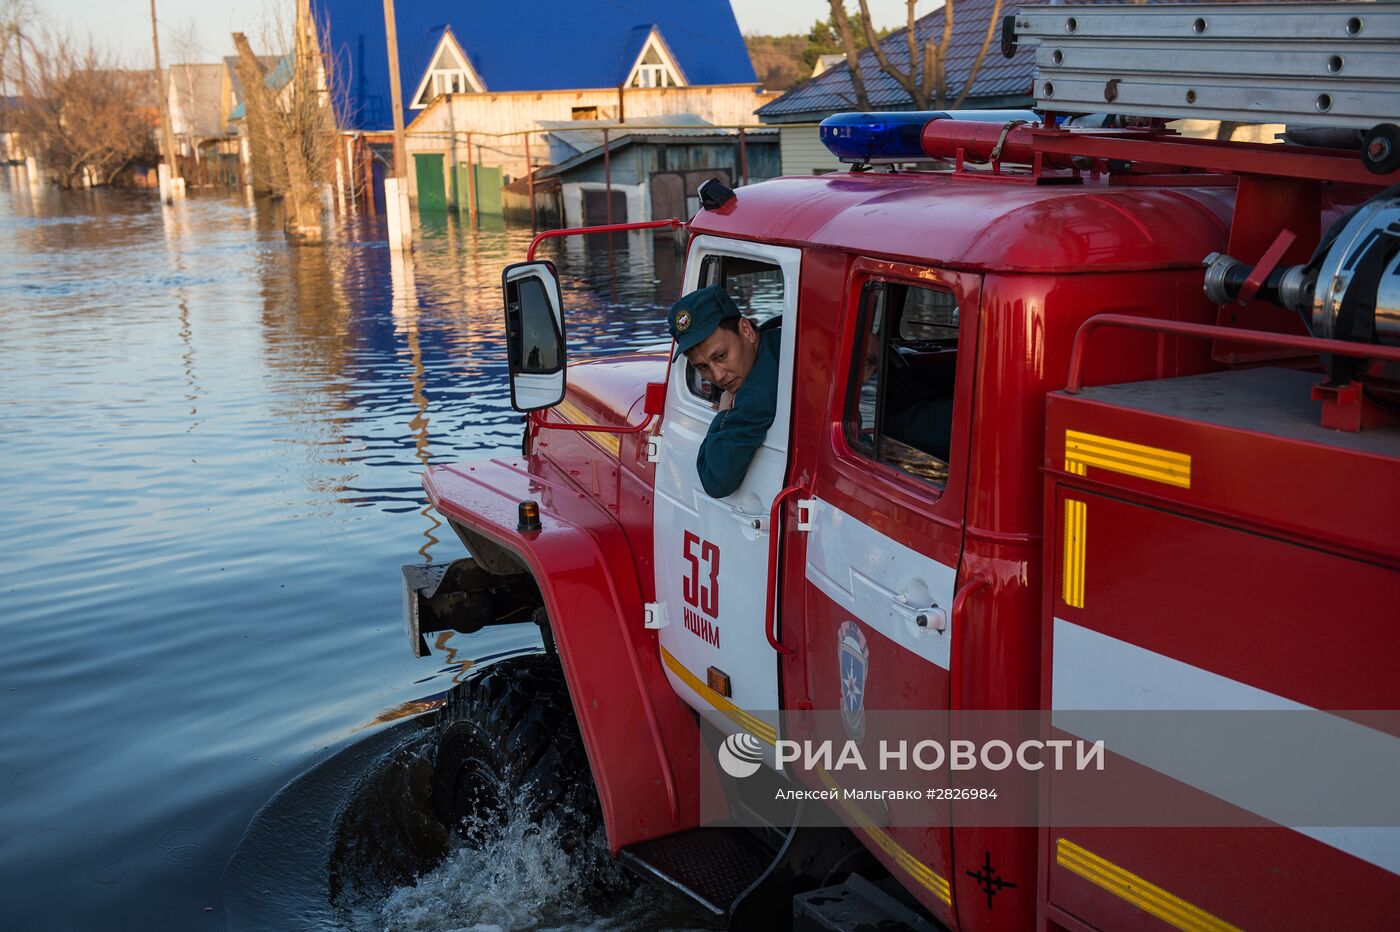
(508, 743)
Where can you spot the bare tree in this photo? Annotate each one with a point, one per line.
(16, 16)
(260, 121)
(848, 43)
(993, 20)
(926, 80)
(83, 116)
(9, 38)
(269, 166)
(291, 127)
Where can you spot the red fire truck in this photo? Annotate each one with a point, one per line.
(1158, 470)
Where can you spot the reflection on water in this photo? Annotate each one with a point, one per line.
(212, 448)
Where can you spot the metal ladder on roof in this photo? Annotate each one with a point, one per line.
(1319, 64)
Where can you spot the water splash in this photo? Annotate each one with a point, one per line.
(521, 878)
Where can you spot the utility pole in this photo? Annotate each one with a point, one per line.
(171, 186)
(396, 194)
(395, 87)
(306, 44)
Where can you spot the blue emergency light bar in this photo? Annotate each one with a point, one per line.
(896, 136)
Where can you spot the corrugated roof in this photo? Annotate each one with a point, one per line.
(997, 79)
(280, 75)
(832, 91)
(567, 138)
(630, 133)
(277, 77)
(526, 45)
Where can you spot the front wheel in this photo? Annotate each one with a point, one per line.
(509, 747)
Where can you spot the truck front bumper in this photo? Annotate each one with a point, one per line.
(420, 584)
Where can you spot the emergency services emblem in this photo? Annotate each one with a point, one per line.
(682, 321)
(854, 661)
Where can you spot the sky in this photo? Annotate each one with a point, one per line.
(126, 24)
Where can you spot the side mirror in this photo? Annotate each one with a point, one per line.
(534, 335)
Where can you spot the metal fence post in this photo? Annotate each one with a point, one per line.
(530, 182)
(607, 178)
(471, 174)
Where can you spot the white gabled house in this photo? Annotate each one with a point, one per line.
(474, 77)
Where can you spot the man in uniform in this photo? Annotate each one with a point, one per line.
(729, 351)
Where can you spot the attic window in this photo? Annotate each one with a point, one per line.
(450, 73)
(449, 82)
(654, 66)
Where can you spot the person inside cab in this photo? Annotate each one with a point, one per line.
(726, 349)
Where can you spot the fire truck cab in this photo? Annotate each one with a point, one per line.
(1050, 435)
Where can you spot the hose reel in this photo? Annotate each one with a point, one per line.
(1349, 289)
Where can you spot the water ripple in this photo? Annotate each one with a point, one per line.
(213, 444)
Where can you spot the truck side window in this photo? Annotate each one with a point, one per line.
(756, 286)
(900, 406)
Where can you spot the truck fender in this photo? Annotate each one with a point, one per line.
(643, 744)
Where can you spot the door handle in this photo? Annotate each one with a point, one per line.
(746, 519)
(924, 617)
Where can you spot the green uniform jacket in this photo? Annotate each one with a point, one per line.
(736, 434)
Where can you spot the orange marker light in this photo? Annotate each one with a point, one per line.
(718, 681)
(529, 516)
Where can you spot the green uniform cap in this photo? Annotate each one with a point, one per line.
(696, 315)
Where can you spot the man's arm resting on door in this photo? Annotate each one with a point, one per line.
(728, 448)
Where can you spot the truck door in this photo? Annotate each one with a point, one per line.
(711, 555)
(886, 533)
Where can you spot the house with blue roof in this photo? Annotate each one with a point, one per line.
(475, 78)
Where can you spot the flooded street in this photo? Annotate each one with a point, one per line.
(212, 445)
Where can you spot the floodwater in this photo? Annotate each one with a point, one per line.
(211, 446)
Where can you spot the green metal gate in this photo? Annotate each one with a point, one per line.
(485, 181)
(432, 184)
(488, 189)
(461, 187)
